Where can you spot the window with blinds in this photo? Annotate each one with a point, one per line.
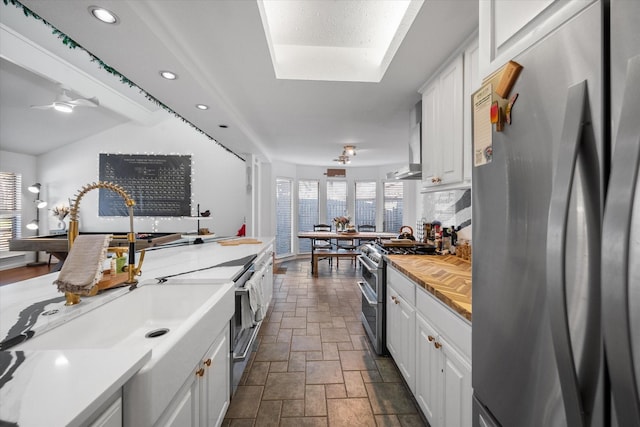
(365, 203)
(308, 210)
(393, 206)
(284, 215)
(336, 200)
(10, 208)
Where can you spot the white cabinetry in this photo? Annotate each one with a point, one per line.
(507, 28)
(472, 83)
(215, 381)
(401, 324)
(428, 370)
(401, 317)
(112, 416)
(431, 346)
(204, 397)
(442, 121)
(446, 122)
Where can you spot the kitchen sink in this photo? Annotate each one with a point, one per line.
(135, 319)
(175, 320)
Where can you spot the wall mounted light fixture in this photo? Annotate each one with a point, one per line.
(35, 224)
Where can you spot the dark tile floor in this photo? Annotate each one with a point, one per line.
(313, 365)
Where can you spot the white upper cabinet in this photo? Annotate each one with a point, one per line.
(442, 127)
(508, 27)
(472, 83)
(446, 122)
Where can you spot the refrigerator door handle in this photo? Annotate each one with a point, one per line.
(616, 254)
(577, 138)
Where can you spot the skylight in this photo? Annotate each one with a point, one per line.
(335, 40)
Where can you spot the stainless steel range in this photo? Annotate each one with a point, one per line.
(374, 286)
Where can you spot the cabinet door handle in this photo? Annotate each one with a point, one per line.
(436, 180)
(200, 372)
(207, 362)
(395, 299)
(437, 345)
(430, 338)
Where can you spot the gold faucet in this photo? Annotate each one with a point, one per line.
(132, 270)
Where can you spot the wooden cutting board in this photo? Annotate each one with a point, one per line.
(237, 242)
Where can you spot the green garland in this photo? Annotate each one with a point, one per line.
(72, 44)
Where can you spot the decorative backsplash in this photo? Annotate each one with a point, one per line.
(449, 207)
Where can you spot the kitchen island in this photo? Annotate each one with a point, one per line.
(30, 309)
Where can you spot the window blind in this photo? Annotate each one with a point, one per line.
(10, 208)
(283, 216)
(393, 206)
(365, 203)
(308, 210)
(336, 199)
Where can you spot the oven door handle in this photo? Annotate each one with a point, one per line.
(366, 265)
(364, 293)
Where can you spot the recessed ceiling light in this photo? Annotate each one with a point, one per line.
(168, 75)
(202, 107)
(223, 126)
(103, 15)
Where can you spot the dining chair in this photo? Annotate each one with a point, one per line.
(370, 228)
(322, 243)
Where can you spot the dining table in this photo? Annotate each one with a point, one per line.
(343, 235)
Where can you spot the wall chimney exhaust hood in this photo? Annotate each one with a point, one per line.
(414, 169)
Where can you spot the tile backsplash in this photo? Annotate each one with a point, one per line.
(449, 207)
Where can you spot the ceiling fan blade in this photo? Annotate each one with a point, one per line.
(85, 102)
(41, 107)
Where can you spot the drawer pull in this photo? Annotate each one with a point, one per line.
(395, 299)
(207, 362)
(200, 372)
(430, 338)
(437, 345)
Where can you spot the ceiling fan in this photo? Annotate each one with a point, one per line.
(66, 104)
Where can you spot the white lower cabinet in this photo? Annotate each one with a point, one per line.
(428, 371)
(431, 345)
(215, 382)
(456, 371)
(443, 379)
(401, 325)
(110, 417)
(204, 398)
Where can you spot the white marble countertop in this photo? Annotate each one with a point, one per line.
(63, 387)
(34, 306)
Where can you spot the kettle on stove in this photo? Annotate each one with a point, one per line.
(406, 232)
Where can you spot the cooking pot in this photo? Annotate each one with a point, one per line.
(406, 232)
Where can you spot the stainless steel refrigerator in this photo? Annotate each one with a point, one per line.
(556, 234)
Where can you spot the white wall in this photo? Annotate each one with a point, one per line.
(218, 177)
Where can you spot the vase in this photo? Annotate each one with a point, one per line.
(62, 225)
(339, 227)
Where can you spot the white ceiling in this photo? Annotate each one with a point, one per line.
(219, 51)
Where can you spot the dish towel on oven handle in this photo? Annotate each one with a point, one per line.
(246, 317)
(256, 298)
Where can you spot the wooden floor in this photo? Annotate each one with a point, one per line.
(13, 275)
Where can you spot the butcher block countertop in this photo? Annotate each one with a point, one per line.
(447, 277)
